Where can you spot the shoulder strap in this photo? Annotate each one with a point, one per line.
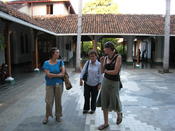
(87, 67)
(114, 58)
(105, 59)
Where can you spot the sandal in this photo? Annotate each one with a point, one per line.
(119, 118)
(58, 119)
(103, 127)
(45, 121)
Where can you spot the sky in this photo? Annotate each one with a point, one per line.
(135, 6)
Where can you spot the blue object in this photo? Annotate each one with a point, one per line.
(55, 69)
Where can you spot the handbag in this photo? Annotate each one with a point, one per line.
(66, 80)
(120, 83)
(85, 76)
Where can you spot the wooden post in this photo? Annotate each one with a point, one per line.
(135, 49)
(8, 52)
(36, 52)
(138, 57)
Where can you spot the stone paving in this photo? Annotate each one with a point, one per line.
(148, 104)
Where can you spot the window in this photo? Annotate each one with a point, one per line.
(49, 9)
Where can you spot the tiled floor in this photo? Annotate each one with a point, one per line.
(148, 104)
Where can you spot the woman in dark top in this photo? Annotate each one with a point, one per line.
(110, 100)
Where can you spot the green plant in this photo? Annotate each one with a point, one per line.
(2, 45)
(101, 7)
(120, 49)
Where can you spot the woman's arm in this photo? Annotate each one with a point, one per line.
(63, 70)
(102, 61)
(51, 75)
(117, 67)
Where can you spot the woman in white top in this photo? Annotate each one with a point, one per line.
(92, 84)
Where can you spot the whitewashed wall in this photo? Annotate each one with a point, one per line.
(39, 9)
(26, 9)
(60, 9)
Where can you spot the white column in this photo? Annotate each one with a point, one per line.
(166, 37)
(130, 41)
(78, 50)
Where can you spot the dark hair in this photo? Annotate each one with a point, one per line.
(110, 45)
(92, 52)
(52, 51)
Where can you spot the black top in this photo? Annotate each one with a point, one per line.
(111, 66)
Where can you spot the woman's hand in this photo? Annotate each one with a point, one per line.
(99, 86)
(106, 71)
(81, 82)
(60, 75)
(102, 59)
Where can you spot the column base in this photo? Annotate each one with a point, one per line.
(36, 70)
(9, 78)
(129, 60)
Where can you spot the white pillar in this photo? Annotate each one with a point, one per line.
(78, 50)
(167, 37)
(130, 41)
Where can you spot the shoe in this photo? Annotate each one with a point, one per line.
(91, 112)
(102, 127)
(45, 121)
(119, 118)
(85, 111)
(58, 119)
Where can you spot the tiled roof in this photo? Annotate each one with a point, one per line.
(102, 23)
(13, 12)
(172, 28)
(97, 24)
(31, 1)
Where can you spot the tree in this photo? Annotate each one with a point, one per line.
(100, 7)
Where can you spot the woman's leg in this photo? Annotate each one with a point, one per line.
(58, 105)
(94, 93)
(119, 117)
(119, 106)
(86, 98)
(105, 114)
(49, 99)
(106, 124)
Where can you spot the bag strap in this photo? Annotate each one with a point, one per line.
(60, 63)
(86, 71)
